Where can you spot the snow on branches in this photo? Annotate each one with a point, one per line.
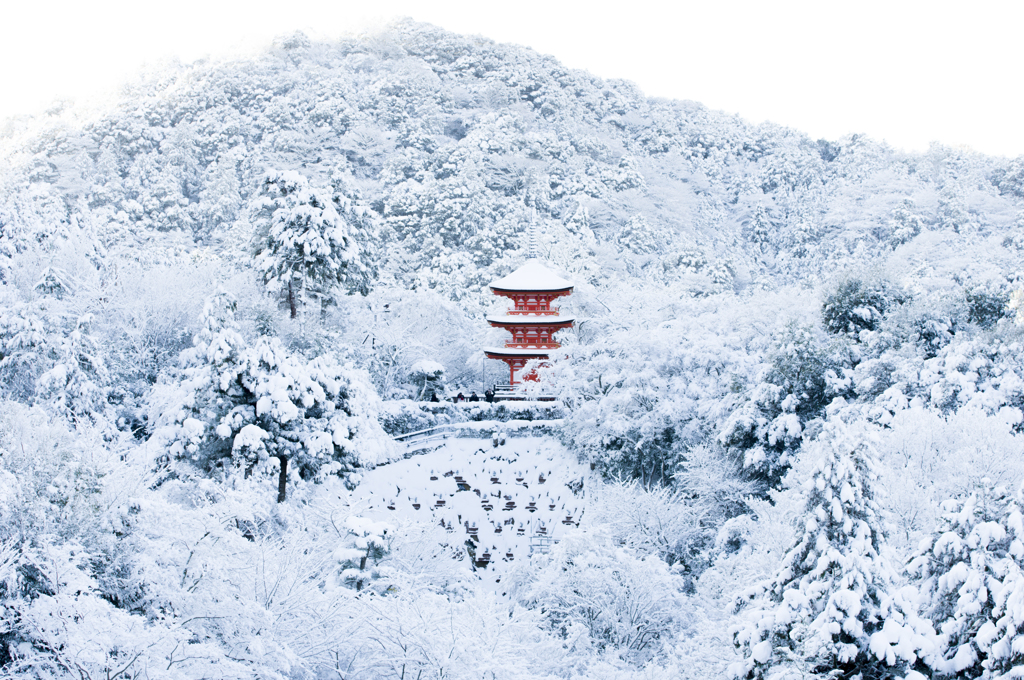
(304, 245)
(833, 604)
(246, 404)
(972, 585)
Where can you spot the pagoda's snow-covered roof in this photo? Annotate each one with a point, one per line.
(531, 319)
(532, 276)
(519, 352)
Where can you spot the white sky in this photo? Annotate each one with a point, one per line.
(909, 72)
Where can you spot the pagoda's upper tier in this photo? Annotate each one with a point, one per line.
(532, 276)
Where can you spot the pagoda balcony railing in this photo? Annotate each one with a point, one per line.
(534, 311)
(533, 345)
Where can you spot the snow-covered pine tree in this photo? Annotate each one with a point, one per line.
(75, 383)
(304, 247)
(761, 228)
(247, 404)
(973, 585)
(23, 351)
(796, 385)
(829, 610)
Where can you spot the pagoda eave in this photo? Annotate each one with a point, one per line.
(524, 320)
(522, 353)
(538, 291)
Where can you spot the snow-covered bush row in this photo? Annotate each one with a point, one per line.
(401, 416)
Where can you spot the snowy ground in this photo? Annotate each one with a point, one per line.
(509, 499)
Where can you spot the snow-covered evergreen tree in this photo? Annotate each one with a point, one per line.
(304, 247)
(428, 379)
(247, 404)
(832, 606)
(76, 382)
(972, 583)
(905, 223)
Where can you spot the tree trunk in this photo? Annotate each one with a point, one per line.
(282, 480)
(291, 299)
(302, 308)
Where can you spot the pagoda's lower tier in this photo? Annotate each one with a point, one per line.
(533, 337)
(517, 358)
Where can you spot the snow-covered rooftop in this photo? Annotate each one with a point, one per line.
(518, 352)
(529, 319)
(532, 276)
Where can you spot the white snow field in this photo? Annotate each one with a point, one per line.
(509, 499)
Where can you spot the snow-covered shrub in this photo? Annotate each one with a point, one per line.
(657, 521)
(360, 555)
(401, 416)
(428, 379)
(626, 603)
(713, 480)
(421, 633)
(51, 479)
(678, 522)
(859, 303)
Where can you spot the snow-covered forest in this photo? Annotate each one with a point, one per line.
(794, 388)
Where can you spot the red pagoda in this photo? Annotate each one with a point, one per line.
(533, 320)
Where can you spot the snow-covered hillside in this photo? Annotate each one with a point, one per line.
(227, 298)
